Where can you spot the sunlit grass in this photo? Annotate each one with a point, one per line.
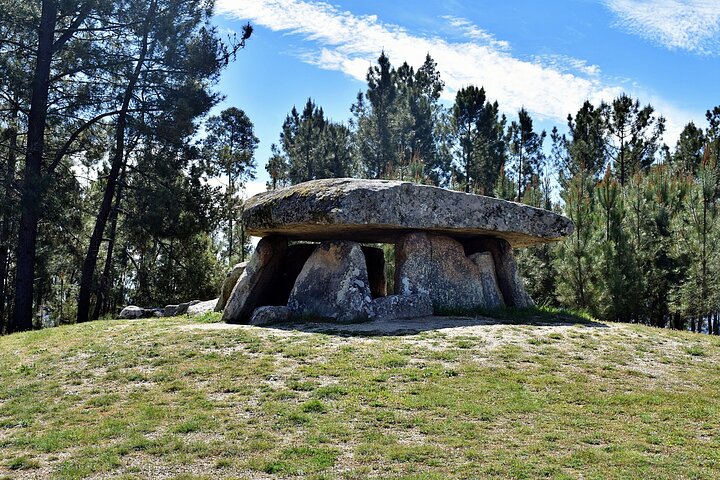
(533, 394)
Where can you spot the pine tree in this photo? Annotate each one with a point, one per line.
(526, 148)
(479, 130)
(337, 152)
(697, 296)
(586, 143)
(277, 167)
(301, 140)
(634, 135)
(173, 57)
(313, 147)
(665, 194)
(576, 259)
(419, 94)
(373, 113)
(579, 157)
(53, 55)
(229, 149)
(689, 150)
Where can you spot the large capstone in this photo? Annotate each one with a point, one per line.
(333, 285)
(437, 266)
(383, 211)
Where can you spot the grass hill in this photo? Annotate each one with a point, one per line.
(193, 398)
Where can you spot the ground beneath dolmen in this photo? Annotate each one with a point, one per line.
(438, 397)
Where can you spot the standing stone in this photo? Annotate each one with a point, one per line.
(292, 264)
(508, 277)
(437, 266)
(228, 285)
(255, 286)
(375, 261)
(333, 285)
(488, 278)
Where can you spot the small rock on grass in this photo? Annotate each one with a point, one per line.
(269, 315)
(202, 307)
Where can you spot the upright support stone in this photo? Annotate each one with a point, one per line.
(375, 261)
(255, 286)
(333, 285)
(488, 278)
(228, 284)
(508, 277)
(292, 264)
(437, 266)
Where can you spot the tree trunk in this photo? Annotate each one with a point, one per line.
(101, 306)
(90, 262)
(31, 190)
(6, 226)
(231, 209)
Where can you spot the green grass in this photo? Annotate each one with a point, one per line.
(536, 394)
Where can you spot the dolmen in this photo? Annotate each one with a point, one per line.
(318, 257)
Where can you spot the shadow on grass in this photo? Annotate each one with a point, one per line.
(542, 316)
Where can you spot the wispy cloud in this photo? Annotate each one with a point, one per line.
(550, 87)
(476, 33)
(692, 25)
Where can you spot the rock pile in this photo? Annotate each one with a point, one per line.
(195, 307)
(453, 252)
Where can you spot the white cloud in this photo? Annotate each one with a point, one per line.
(565, 64)
(474, 32)
(692, 25)
(549, 87)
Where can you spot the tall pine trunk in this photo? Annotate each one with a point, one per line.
(6, 224)
(31, 190)
(101, 304)
(88, 269)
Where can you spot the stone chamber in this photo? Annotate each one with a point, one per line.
(320, 255)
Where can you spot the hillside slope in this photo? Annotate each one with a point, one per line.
(185, 398)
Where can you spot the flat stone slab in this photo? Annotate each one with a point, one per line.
(383, 210)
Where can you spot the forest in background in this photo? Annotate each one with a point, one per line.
(109, 161)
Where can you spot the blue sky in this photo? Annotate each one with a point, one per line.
(546, 56)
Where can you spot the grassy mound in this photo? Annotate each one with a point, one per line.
(189, 398)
